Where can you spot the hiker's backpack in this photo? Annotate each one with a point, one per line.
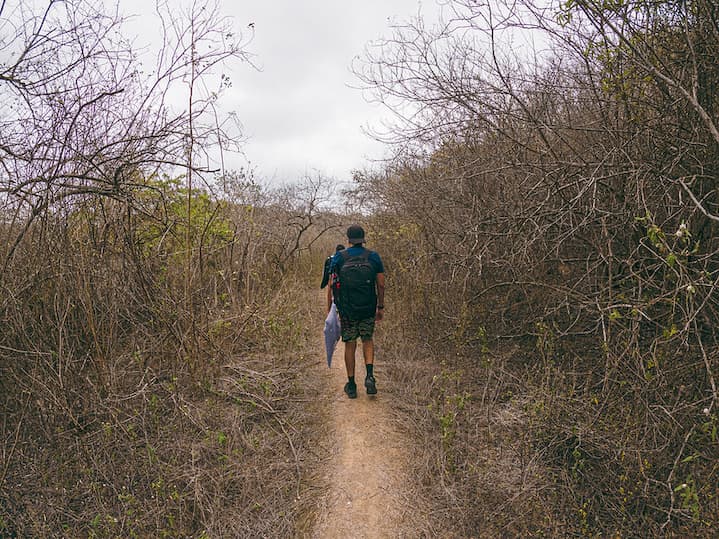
(355, 286)
(326, 272)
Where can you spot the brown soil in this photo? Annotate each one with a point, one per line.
(370, 491)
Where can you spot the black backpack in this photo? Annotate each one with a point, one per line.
(356, 286)
(326, 272)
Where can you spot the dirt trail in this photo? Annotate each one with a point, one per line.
(367, 465)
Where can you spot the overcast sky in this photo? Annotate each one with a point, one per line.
(299, 112)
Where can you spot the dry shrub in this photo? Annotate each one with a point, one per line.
(549, 416)
(128, 414)
(552, 252)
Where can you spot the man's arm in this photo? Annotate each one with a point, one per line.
(379, 282)
(331, 275)
(329, 295)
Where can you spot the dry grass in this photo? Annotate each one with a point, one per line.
(511, 449)
(159, 454)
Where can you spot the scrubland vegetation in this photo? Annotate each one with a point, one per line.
(548, 225)
(551, 229)
(153, 312)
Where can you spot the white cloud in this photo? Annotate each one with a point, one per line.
(299, 113)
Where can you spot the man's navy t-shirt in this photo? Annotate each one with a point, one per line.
(374, 259)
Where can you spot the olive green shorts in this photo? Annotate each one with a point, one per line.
(354, 329)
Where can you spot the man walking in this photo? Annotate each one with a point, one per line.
(358, 284)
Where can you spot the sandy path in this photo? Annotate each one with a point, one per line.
(367, 463)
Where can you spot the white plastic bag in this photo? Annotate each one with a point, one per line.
(332, 332)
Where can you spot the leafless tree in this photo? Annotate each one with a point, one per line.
(81, 113)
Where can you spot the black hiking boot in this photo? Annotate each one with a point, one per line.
(369, 383)
(351, 390)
